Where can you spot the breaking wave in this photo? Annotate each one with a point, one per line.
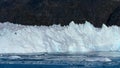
(16, 38)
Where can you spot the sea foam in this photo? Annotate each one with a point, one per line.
(73, 38)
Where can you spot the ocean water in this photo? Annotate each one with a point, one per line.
(61, 60)
(15, 38)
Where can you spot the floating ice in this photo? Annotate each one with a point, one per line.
(16, 38)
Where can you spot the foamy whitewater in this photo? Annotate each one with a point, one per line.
(16, 38)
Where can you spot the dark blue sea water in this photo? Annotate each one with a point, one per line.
(61, 60)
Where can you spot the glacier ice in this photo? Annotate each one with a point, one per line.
(73, 38)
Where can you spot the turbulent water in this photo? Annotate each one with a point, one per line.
(61, 60)
(73, 38)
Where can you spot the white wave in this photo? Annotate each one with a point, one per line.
(14, 57)
(16, 38)
(100, 59)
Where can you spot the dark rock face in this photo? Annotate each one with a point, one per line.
(48, 12)
(114, 18)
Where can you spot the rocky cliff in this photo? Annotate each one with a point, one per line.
(48, 12)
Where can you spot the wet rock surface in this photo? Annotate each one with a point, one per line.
(48, 12)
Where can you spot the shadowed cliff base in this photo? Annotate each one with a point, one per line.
(48, 12)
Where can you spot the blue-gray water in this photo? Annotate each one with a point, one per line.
(61, 60)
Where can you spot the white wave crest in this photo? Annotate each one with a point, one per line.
(16, 38)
